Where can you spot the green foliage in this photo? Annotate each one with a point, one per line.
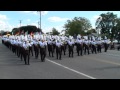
(55, 32)
(26, 28)
(47, 32)
(15, 30)
(109, 24)
(77, 26)
(91, 31)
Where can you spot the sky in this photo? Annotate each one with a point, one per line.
(49, 19)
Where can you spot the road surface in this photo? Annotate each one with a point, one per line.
(93, 66)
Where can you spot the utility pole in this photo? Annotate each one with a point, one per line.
(20, 22)
(20, 25)
(38, 24)
(40, 18)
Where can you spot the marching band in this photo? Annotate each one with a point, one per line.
(26, 46)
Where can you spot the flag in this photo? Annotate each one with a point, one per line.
(17, 33)
(22, 32)
(34, 33)
(31, 33)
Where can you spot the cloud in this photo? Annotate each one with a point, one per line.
(28, 20)
(57, 19)
(44, 12)
(3, 17)
(49, 29)
(26, 11)
(29, 12)
(35, 24)
(4, 25)
(35, 12)
(93, 20)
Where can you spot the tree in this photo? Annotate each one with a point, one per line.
(91, 31)
(77, 26)
(107, 24)
(15, 30)
(6, 32)
(28, 28)
(55, 32)
(2, 31)
(47, 32)
(118, 30)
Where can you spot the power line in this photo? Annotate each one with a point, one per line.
(20, 25)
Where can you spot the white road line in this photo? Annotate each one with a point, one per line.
(104, 61)
(80, 73)
(112, 55)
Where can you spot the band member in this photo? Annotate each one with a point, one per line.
(50, 47)
(21, 55)
(54, 44)
(31, 47)
(63, 47)
(66, 44)
(17, 47)
(118, 48)
(36, 48)
(94, 46)
(26, 53)
(79, 46)
(43, 50)
(105, 44)
(99, 43)
(58, 49)
(70, 45)
(86, 43)
(13, 45)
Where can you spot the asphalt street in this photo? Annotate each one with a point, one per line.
(94, 66)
